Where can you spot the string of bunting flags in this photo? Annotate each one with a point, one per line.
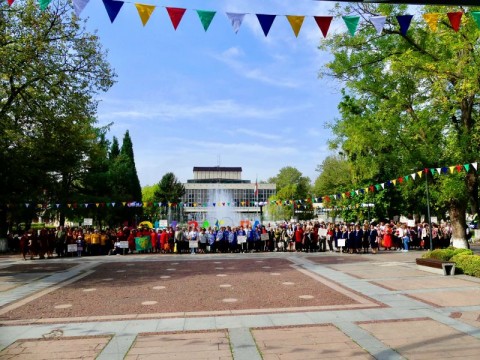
(176, 14)
(299, 204)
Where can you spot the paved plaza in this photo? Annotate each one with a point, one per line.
(236, 306)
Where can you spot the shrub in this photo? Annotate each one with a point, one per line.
(446, 254)
(467, 264)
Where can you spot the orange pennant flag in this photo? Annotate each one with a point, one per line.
(176, 15)
(432, 21)
(145, 11)
(296, 23)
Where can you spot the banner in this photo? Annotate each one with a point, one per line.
(143, 243)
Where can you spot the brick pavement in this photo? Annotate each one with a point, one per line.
(415, 314)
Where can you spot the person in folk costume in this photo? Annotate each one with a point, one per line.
(131, 240)
(299, 238)
(202, 241)
(373, 238)
(60, 239)
(387, 237)
(164, 247)
(170, 238)
(291, 237)
(80, 242)
(153, 240)
(365, 239)
(330, 236)
(277, 238)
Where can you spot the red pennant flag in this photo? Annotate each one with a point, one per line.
(323, 23)
(10, 2)
(176, 15)
(372, 188)
(400, 180)
(455, 19)
(459, 168)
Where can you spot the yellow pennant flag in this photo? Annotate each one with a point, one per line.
(97, 204)
(420, 173)
(451, 169)
(394, 182)
(432, 21)
(296, 23)
(144, 11)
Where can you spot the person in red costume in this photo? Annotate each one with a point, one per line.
(299, 238)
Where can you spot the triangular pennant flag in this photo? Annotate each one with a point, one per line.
(236, 19)
(69, 205)
(382, 185)
(451, 169)
(419, 173)
(124, 203)
(413, 176)
(394, 182)
(86, 205)
(97, 204)
(400, 180)
(27, 205)
(296, 23)
(406, 177)
(467, 167)
(113, 8)
(439, 170)
(404, 22)
(475, 165)
(476, 17)
(432, 21)
(78, 5)
(352, 23)
(459, 168)
(10, 2)
(113, 204)
(445, 170)
(455, 19)
(266, 22)
(44, 4)
(57, 205)
(378, 22)
(432, 170)
(323, 23)
(378, 187)
(206, 17)
(176, 15)
(145, 11)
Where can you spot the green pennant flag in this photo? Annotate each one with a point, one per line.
(377, 187)
(476, 17)
(467, 167)
(206, 17)
(406, 177)
(432, 171)
(206, 224)
(44, 4)
(352, 23)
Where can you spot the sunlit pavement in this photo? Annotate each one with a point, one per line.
(236, 306)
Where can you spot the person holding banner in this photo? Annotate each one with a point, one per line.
(192, 240)
(241, 239)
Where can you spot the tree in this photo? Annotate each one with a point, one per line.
(127, 160)
(50, 73)
(288, 176)
(411, 102)
(169, 192)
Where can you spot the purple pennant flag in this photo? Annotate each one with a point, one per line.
(113, 8)
(266, 22)
(79, 5)
(404, 21)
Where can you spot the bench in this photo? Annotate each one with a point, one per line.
(436, 266)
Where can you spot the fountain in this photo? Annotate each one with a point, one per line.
(224, 209)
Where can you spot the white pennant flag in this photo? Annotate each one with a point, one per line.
(79, 5)
(378, 22)
(475, 165)
(58, 205)
(383, 185)
(413, 176)
(439, 170)
(236, 19)
(27, 205)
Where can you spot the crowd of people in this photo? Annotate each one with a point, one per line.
(310, 236)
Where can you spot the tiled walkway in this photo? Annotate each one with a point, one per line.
(402, 313)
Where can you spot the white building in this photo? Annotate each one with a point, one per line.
(214, 187)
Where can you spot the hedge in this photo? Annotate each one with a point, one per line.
(466, 262)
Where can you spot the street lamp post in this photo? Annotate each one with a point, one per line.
(428, 210)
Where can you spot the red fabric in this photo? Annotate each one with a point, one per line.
(298, 235)
(387, 238)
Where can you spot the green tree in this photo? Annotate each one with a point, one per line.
(127, 161)
(50, 73)
(114, 149)
(289, 176)
(169, 192)
(411, 103)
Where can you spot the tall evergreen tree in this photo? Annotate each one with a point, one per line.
(114, 149)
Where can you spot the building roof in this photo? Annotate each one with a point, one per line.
(217, 168)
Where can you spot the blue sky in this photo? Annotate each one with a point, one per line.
(195, 98)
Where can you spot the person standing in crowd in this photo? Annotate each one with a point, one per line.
(387, 237)
(365, 238)
(299, 238)
(95, 243)
(373, 237)
(60, 240)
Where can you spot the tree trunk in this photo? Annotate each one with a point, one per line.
(459, 225)
(472, 186)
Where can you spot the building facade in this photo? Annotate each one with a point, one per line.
(218, 187)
